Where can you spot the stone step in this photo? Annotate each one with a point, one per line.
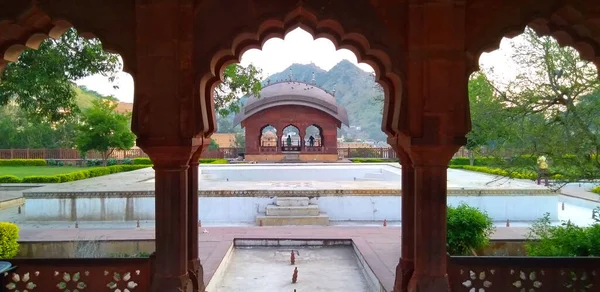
(374, 175)
(291, 201)
(310, 210)
(322, 219)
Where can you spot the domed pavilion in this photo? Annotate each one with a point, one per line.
(292, 121)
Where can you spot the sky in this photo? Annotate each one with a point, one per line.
(297, 47)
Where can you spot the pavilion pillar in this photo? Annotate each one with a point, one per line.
(171, 211)
(430, 184)
(195, 270)
(405, 267)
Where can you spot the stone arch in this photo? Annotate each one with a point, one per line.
(295, 139)
(317, 135)
(267, 142)
(568, 25)
(34, 26)
(277, 27)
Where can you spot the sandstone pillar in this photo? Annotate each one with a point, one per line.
(171, 211)
(430, 183)
(405, 267)
(195, 269)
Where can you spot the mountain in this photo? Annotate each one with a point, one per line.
(355, 89)
(85, 98)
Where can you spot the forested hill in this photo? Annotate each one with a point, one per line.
(355, 90)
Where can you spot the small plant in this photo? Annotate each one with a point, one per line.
(565, 240)
(469, 229)
(111, 162)
(9, 234)
(60, 163)
(596, 190)
(51, 162)
(127, 161)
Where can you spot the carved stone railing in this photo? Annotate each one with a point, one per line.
(524, 274)
(54, 275)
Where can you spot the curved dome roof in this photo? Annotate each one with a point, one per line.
(292, 93)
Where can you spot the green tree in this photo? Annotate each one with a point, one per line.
(102, 129)
(41, 81)
(552, 105)
(240, 140)
(489, 116)
(17, 130)
(237, 82)
(213, 145)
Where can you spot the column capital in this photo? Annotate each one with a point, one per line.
(195, 160)
(168, 154)
(414, 151)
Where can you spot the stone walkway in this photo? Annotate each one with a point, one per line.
(380, 246)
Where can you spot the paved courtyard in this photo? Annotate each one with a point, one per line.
(380, 246)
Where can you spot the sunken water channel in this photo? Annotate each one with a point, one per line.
(245, 194)
(266, 265)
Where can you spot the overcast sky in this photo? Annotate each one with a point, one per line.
(297, 47)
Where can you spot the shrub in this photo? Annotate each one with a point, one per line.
(94, 162)
(11, 179)
(111, 162)
(565, 240)
(127, 161)
(142, 161)
(468, 229)
(60, 163)
(51, 162)
(596, 190)
(147, 161)
(213, 161)
(22, 162)
(43, 179)
(371, 160)
(9, 234)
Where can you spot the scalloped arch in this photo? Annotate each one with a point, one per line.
(44, 28)
(329, 29)
(567, 25)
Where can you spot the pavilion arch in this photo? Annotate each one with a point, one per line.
(301, 17)
(34, 26)
(262, 133)
(318, 137)
(568, 25)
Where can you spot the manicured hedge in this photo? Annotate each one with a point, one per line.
(9, 179)
(147, 161)
(522, 174)
(596, 190)
(73, 176)
(22, 162)
(9, 234)
(478, 161)
(371, 160)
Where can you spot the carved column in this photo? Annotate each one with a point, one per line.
(433, 121)
(430, 182)
(405, 267)
(171, 209)
(195, 270)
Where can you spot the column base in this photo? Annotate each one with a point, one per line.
(165, 283)
(404, 272)
(196, 273)
(426, 283)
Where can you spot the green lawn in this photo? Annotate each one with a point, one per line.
(23, 171)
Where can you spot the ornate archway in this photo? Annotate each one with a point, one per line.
(176, 53)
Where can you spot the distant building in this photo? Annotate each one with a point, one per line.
(354, 145)
(224, 140)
